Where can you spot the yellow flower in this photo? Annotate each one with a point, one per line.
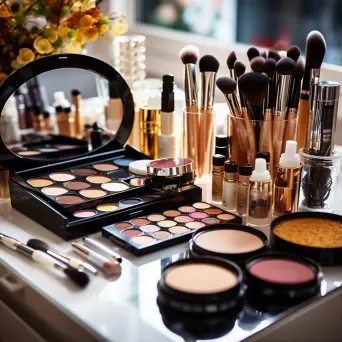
(25, 56)
(63, 30)
(79, 38)
(42, 45)
(87, 20)
(73, 47)
(15, 65)
(53, 36)
(89, 33)
(56, 51)
(3, 76)
(87, 5)
(119, 28)
(103, 28)
(5, 12)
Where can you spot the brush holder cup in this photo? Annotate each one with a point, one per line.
(248, 137)
(319, 181)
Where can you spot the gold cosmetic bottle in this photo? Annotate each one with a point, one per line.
(76, 101)
(149, 124)
(230, 179)
(5, 198)
(259, 196)
(38, 120)
(287, 183)
(217, 177)
(245, 171)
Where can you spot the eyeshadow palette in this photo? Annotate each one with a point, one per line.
(146, 234)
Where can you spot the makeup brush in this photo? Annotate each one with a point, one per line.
(208, 66)
(274, 54)
(285, 69)
(252, 52)
(257, 64)
(230, 63)
(228, 87)
(253, 86)
(263, 54)
(314, 54)
(266, 133)
(78, 277)
(294, 52)
(72, 262)
(290, 132)
(239, 70)
(189, 56)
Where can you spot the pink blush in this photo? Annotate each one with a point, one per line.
(198, 215)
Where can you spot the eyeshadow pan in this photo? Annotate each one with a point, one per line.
(122, 225)
(39, 182)
(69, 199)
(115, 186)
(84, 172)
(198, 215)
(76, 185)
(140, 221)
(211, 220)
(98, 179)
(178, 230)
(228, 241)
(167, 223)
(186, 209)
(105, 167)
(183, 219)
(201, 205)
(108, 207)
(123, 161)
(84, 213)
(131, 232)
(130, 201)
(282, 271)
(156, 217)
(213, 211)
(93, 193)
(171, 213)
(143, 240)
(29, 153)
(195, 225)
(48, 149)
(62, 176)
(54, 190)
(226, 217)
(200, 278)
(137, 181)
(150, 228)
(161, 235)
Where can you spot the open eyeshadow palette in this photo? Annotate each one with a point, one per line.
(146, 234)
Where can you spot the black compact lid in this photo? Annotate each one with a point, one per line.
(231, 166)
(264, 155)
(245, 169)
(218, 159)
(13, 82)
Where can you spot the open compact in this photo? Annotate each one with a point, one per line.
(313, 235)
(77, 180)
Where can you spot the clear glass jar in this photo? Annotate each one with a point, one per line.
(319, 181)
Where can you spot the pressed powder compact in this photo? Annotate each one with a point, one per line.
(314, 235)
(233, 242)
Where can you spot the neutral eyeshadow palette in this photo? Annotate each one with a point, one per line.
(149, 233)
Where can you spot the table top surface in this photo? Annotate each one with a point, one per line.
(124, 309)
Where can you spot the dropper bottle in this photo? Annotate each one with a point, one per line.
(287, 183)
(259, 196)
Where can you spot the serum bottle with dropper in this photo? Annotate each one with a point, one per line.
(259, 196)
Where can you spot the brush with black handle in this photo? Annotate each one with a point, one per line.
(239, 70)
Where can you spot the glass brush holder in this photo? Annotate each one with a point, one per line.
(248, 137)
(319, 181)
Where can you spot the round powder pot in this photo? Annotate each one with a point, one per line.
(281, 278)
(230, 241)
(315, 235)
(139, 167)
(201, 286)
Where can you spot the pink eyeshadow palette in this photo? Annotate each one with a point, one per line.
(149, 233)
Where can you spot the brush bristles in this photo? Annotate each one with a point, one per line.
(38, 244)
(274, 54)
(252, 52)
(208, 63)
(231, 60)
(269, 67)
(79, 278)
(189, 54)
(315, 49)
(263, 54)
(239, 68)
(253, 86)
(298, 73)
(226, 84)
(293, 52)
(285, 66)
(257, 64)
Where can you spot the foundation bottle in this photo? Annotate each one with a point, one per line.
(47, 121)
(230, 179)
(217, 177)
(38, 120)
(259, 196)
(76, 101)
(245, 171)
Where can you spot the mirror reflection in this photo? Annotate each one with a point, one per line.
(61, 114)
